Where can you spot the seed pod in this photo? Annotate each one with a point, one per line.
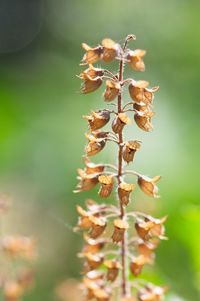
(98, 226)
(12, 291)
(119, 122)
(124, 191)
(119, 228)
(98, 119)
(148, 186)
(93, 245)
(112, 90)
(93, 260)
(135, 59)
(91, 84)
(110, 50)
(86, 181)
(91, 72)
(130, 149)
(137, 264)
(140, 93)
(106, 185)
(143, 120)
(113, 267)
(95, 145)
(92, 55)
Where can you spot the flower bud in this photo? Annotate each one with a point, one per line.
(112, 90)
(140, 93)
(143, 120)
(124, 191)
(91, 84)
(98, 225)
(119, 122)
(110, 50)
(106, 185)
(137, 264)
(130, 149)
(95, 145)
(113, 267)
(119, 228)
(148, 186)
(98, 119)
(92, 55)
(135, 59)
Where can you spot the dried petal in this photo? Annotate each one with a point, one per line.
(130, 149)
(112, 90)
(140, 93)
(84, 221)
(91, 72)
(148, 185)
(101, 294)
(106, 185)
(124, 191)
(92, 168)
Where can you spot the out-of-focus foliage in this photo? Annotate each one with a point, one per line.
(41, 129)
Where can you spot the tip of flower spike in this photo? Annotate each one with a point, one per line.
(130, 37)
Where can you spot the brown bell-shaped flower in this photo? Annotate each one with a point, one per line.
(124, 191)
(95, 145)
(137, 263)
(83, 221)
(12, 291)
(141, 107)
(113, 267)
(143, 228)
(112, 90)
(150, 228)
(130, 149)
(93, 261)
(92, 55)
(135, 59)
(91, 168)
(91, 72)
(98, 119)
(86, 181)
(93, 245)
(110, 50)
(151, 293)
(143, 120)
(106, 185)
(90, 84)
(119, 122)
(98, 225)
(140, 93)
(148, 185)
(120, 226)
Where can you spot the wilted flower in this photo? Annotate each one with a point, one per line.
(119, 228)
(124, 191)
(106, 185)
(150, 227)
(119, 122)
(148, 185)
(95, 145)
(91, 72)
(112, 90)
(87, 181)
(92, 55)
(143, 120)
(93, 245)
(98, 225)
(137, 264)
(98, 119)
(130, 149)
(135, 59)
(90, 84)
(110, 50)
(140, 93)
(113, 267)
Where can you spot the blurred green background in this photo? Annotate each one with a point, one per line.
(42, 130)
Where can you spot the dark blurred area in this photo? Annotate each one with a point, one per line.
(42, 130)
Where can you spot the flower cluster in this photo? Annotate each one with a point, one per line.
(16, 254)
(113, 247)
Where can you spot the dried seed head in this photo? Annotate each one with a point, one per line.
(135, 59)
(113, 267)
(91, 72)
(98, 225)
(112, 90)
(86, 181)
(137, 264)
(110, 50)
(92, 55)
(95, 145)
(12, 291)
(106, 185)
(90, 84)
(124, 191)
(98, 119)
(119, 228)
(140, 93)
(130, 149)
(143, 120)
(119, 122)
(148, 185)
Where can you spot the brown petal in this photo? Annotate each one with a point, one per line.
(137, 264)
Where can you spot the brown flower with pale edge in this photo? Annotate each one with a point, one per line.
(113, 267)
(110, 50)
(143, 120)
(12, 291)
(98, 119)
(124, 191)
(119, 228)
(137, 263)
(112, 90)
(90, 84)
(135, 59)
(91, 72)
(130, 149)
(92, 168)
(98, 225)
(151, 293)
(150, 228)
(95, 145)
(106, 185)
(148, 185)
(140, 93)
(87, 181)
(92, 55)
(119, 122)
